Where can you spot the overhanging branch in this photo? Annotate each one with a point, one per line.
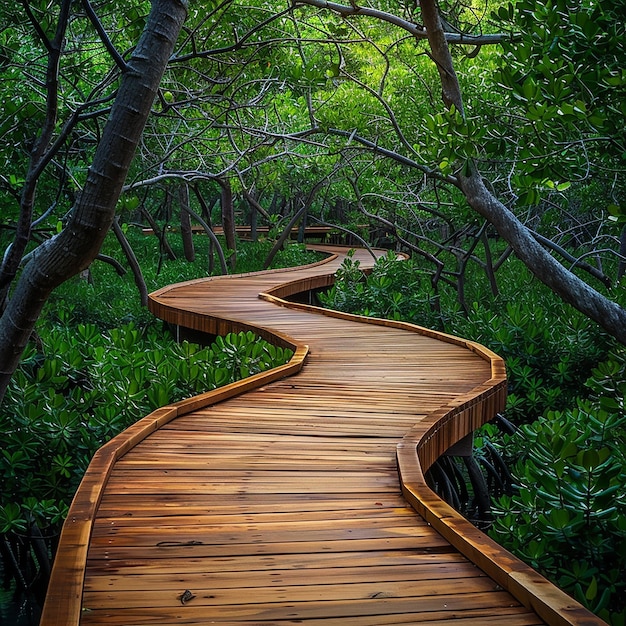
(419, 32)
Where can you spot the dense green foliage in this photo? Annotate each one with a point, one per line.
(567, 512)
(567, 517)
(564, 74)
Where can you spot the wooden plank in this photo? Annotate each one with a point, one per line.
(442, 607)
(246, 578)
(472, 617)
(424, 543)
(215, 597)
(469, 617)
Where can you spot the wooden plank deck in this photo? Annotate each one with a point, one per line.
(291, 497)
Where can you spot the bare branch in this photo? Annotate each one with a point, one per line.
(419, 32)
(108, 44)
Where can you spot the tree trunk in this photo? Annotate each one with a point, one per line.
(73, 249)
(280, 242)
(133, 263)
(255, 209)
(228, 221)
(186, 231)
(545, 267)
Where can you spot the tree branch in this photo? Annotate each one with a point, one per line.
(108, 44)
(419, 32)
(432, 173)
(12, 260)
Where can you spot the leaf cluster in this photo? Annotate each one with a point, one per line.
(567, 517)
(564, 75)
(392, 290)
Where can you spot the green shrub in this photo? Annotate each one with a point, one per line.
(549, 350)
(399, 290)
(567, 517)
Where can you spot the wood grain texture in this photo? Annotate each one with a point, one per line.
(297, 496)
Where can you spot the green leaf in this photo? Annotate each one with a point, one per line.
(589, 459)
(592, 590)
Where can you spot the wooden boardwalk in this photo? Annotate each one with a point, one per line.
(291, 497)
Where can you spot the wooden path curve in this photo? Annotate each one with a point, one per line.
(291, 497)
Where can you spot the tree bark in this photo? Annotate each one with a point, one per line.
(186, 231)
(545, 267)
(228, 220)
(73, 249)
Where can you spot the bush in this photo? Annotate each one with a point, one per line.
(567, 517)
(399, 290)
(549, 349)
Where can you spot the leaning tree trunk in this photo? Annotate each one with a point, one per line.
(73, 249)
(541, 263)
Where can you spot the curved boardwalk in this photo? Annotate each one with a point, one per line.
(292, 499)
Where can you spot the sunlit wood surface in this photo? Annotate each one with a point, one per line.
(291, 497)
